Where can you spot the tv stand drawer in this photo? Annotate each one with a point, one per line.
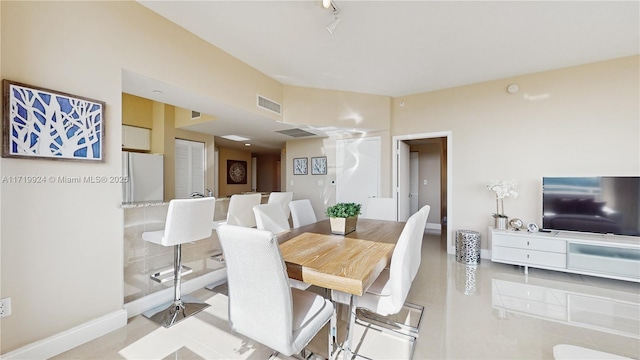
(527, 241)
(529, 257)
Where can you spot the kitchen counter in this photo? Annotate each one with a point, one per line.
(141, 204)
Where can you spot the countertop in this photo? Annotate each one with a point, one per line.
(141, 204)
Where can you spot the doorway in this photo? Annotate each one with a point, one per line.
(434, 158)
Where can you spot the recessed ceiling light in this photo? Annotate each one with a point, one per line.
(235, 138)
(247, 144)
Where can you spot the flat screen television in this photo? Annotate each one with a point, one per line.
(603, 204)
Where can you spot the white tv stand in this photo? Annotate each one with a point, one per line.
(614, 257)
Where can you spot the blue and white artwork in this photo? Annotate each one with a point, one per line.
(43, 123)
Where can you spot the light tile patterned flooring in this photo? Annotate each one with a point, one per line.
(489, 311)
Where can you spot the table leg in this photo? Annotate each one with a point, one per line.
(353, 304)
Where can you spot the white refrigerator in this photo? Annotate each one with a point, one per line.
(145, 173)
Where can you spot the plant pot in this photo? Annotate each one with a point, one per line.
(501, 223)
(343, 226)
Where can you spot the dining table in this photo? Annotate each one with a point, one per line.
(348, 263)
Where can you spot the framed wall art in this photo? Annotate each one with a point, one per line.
(47, 124)
(319, 165)
(236, 172)
(300, 166)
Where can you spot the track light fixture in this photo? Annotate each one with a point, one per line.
(331, 28)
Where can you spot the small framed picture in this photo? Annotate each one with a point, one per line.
(319, 165)
(300, 166)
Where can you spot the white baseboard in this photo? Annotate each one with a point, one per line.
(69, 339)
(433, 226)
(91, 330)
(158, 298)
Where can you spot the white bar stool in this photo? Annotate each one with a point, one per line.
(187, 220)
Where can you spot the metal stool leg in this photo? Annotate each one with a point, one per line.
(180, 308)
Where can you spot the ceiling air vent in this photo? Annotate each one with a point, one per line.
(296, 133)
(269, 105)
(195, 114)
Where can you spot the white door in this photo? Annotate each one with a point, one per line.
(189, 168)
(357, 170)
(403, 190)
(413, 182)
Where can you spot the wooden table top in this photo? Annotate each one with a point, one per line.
(347, 263)
(367, 229)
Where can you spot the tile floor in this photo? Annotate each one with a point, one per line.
(489, 311)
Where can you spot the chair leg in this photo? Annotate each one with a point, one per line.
(181, 307)
(385, 322)
(391, 326)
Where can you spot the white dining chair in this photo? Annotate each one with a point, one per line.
(388, 293)
(187, 220)
(283, 198)
(381, 209)
(270, 217)
(302, 213)
(241, 209)
(262, 305)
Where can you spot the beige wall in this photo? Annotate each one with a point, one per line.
(137, 111)
(183, 118)
(577, 121)
(78, 235)
(318, 188)
(225, 154)
(307, 186)
(336, 108)
(326, 109)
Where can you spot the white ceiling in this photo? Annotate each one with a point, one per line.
(397, 48)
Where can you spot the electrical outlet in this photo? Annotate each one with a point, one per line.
(5, 307)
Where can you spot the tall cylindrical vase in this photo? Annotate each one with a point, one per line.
(501, 223)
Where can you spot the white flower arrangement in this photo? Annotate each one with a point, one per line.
(503, 189)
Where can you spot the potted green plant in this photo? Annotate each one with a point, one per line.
(343, 217)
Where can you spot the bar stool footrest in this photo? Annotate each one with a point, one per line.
(218, 256)
(165, 275)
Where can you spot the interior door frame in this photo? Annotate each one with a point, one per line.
(402, 189)
(449, 137)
